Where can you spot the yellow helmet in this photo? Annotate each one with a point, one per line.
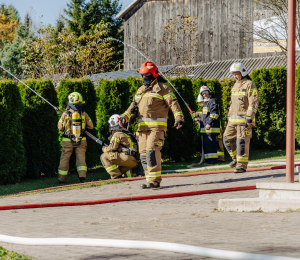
(75, 98)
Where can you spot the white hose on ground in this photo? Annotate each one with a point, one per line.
(179, 248)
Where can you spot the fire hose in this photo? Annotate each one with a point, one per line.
(163, 176)
(134, 244)
(56, 108)
(136, 198)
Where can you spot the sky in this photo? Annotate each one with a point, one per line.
(45, 11)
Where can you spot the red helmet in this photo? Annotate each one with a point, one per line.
(149, 67)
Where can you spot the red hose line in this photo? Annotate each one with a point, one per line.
(163, 176)
(133, 198)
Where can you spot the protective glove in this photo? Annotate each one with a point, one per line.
(248, 121)
(104, 149)
(193, 115)
(207, 127)
(122, 121)
(178, 124)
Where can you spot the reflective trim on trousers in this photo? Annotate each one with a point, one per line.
(233, 153)
(221, 153)
(242, 159)
(154, 174)
(111, 168)
(128, 174)
(210, 155)
(62, 172)
(81, 168)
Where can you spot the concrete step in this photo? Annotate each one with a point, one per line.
(257, 204)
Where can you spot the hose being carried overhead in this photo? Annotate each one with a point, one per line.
(56, 108)
(134, 244)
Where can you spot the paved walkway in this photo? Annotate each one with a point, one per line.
(190, 220)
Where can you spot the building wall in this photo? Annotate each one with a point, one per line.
(220, 37)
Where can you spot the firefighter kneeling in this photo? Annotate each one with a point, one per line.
(73, 122)
(120, 156)
(241, 117)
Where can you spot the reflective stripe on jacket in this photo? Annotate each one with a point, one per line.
(210, 116)
(154, 104)
(118, 141)
(244, 102)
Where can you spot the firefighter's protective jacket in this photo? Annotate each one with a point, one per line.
(153, 107)
(244, 102)
(64, 123)
(209, 116)
(120, 139)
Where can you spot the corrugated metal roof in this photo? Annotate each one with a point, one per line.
(220, 69)
(123, 74)
(127, 9)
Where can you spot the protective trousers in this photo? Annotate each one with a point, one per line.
(236, 141)
(150, 145)
(220, 152)
(67, 150)
(210, 146)
(118, 163)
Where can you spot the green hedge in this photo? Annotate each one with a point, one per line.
(181, 144)
(226, 86)
(39, 121)
(12, 152)
(271, 116)
(86, 88)
(113, 98)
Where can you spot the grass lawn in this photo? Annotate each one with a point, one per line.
(99, 173)
(10, 255)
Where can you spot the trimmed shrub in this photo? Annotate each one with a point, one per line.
(135, 84)
(12, 152)
(226, 85)
(180, 144)
(86, 88)
(271, 116)
(39, 121)
(113, 98)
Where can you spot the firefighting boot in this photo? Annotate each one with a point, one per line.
(233, 164)
(239, 170)
(82, 179)
(151, 185)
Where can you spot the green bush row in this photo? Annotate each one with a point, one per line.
(29, 130)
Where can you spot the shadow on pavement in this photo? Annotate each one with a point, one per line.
(248, 178)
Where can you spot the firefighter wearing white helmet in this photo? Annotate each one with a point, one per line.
(209, 126)
(241, 117)
(73, 122)
(121, 155)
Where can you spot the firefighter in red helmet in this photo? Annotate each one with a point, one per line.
(150, 107)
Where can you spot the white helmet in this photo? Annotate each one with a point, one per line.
(205, 88)
(200, 98)
(114, 122)
(238, 66)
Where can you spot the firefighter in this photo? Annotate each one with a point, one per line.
(150, 107)
(120, 156)
(209, 125)
(73, 122)
(241, 117)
